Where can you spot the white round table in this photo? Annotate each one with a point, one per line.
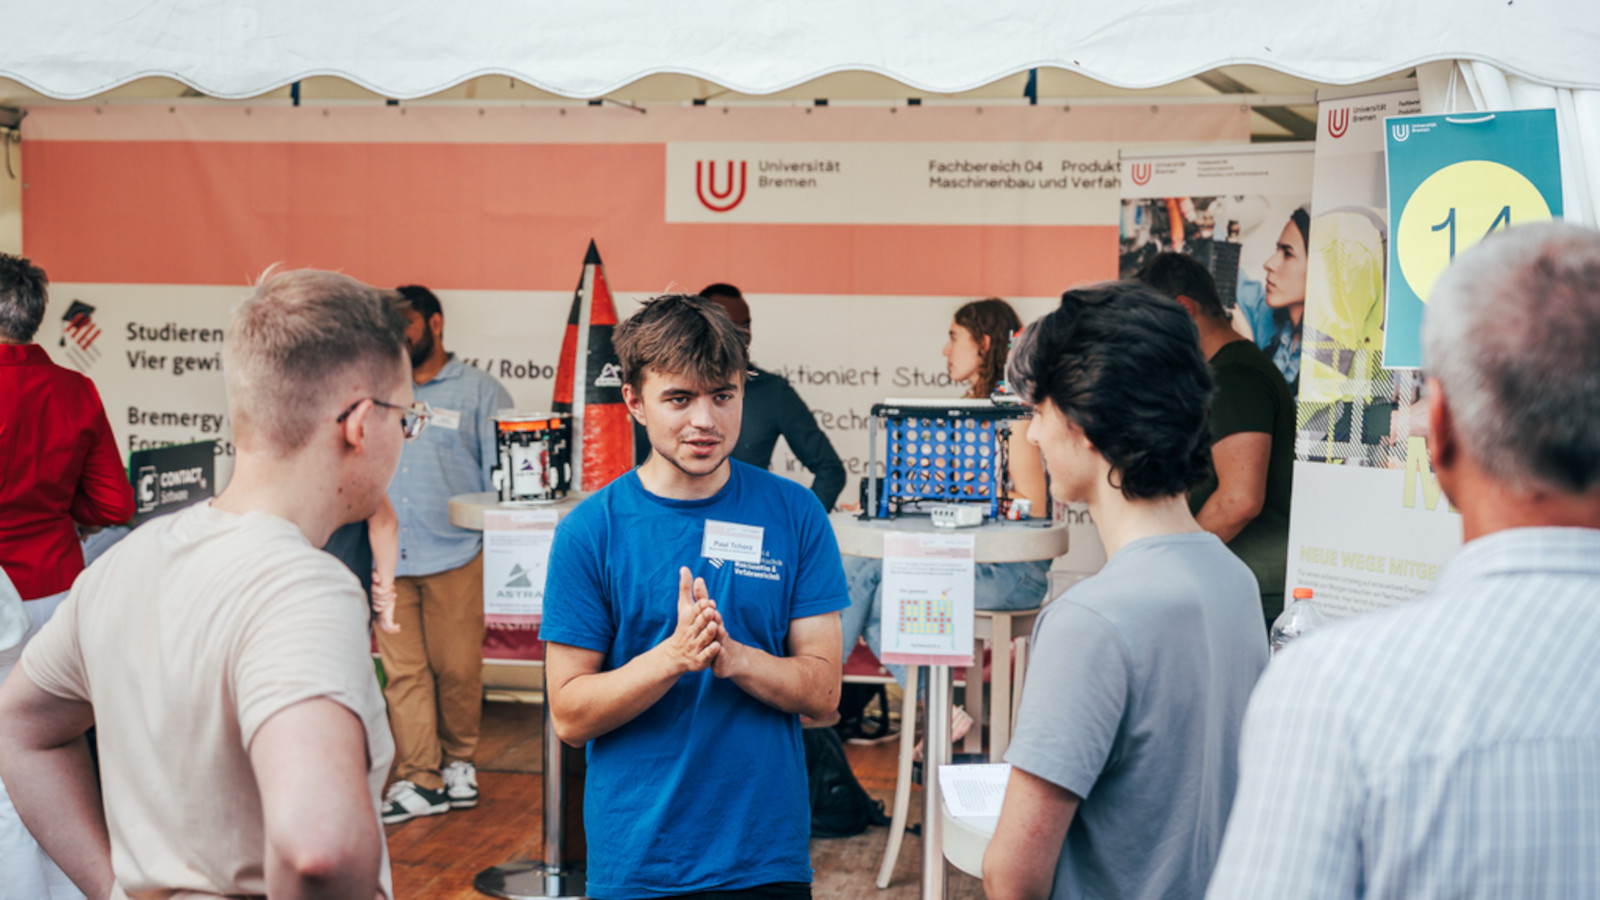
(995, 541)
(466, 510)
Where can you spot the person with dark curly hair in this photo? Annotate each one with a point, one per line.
(1125, 756)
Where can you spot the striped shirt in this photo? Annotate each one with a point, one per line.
(454, 455)
(1449, 747)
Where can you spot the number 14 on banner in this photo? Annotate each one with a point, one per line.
(1454, 180)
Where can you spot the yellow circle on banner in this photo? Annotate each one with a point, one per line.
(1455, 208)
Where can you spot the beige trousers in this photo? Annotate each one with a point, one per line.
(434, 667)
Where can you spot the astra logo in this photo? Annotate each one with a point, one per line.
(1401, 132)
(1338, 122)
(1141, 173)
(610, 376)
(733, 185)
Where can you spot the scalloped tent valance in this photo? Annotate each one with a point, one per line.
(78, 48)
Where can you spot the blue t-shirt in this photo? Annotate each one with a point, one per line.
(705, 790)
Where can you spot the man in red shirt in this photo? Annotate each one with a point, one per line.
(59, 467)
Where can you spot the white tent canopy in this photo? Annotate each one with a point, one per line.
(73, 49)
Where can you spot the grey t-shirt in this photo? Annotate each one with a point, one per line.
(1135, 693)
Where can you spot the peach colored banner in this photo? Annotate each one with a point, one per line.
(508, 198)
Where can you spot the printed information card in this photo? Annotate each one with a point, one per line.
(928, 598)
(516, 550)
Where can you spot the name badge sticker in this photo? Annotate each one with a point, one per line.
(446, 418)
(736, 543)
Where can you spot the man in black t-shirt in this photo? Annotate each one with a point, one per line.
(1246, 501)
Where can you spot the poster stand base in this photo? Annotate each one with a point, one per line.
(530, 879)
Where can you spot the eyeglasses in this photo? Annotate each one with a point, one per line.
(413, 418)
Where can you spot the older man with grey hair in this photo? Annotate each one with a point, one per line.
(1450, 747)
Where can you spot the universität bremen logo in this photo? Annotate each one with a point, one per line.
(78, 334)
(1141, 173)
(733, 184)
(1338, 122)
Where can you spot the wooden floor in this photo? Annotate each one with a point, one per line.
(437, 857)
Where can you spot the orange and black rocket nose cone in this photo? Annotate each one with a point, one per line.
(589, 381)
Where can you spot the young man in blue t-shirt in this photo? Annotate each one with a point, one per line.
(691, 615)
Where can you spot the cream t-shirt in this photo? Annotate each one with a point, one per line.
(186, 637)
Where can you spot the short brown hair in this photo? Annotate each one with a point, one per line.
(1181, 275)
(681, 334)
(293, 339)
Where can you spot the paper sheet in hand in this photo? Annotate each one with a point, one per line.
(974, 792)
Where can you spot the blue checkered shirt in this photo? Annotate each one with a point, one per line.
(1449, 747)
(442, 463)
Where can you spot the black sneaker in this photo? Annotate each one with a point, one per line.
(872, 731)
(404, 801)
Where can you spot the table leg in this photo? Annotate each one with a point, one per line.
(553, 877)
(902, 783)
(973, 743)
(1022, 670)
(935, 753)
(1000, 684)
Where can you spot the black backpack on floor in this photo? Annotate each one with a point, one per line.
(840, 806)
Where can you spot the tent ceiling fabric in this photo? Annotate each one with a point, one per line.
(72, 49)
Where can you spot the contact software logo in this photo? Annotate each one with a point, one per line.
(1338, 122)
(146, 492)
(733, 185)
(1141, 173)
(1401, 132)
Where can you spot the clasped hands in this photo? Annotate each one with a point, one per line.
(701, 639)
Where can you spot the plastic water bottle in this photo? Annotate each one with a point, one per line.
(1299, 617)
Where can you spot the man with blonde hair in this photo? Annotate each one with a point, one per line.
(1450, 746)
(221, 656)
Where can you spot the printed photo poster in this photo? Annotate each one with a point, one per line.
(1453, 180)
(854, 232)
(928, 598)
(1244, 212)
(516, 555)
(1369, 526)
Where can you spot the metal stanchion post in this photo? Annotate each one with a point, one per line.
(554, 877)
(936, 752)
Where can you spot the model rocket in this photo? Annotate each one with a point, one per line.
(589, 382)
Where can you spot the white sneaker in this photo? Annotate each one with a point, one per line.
(405, 801)
(461, 784)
